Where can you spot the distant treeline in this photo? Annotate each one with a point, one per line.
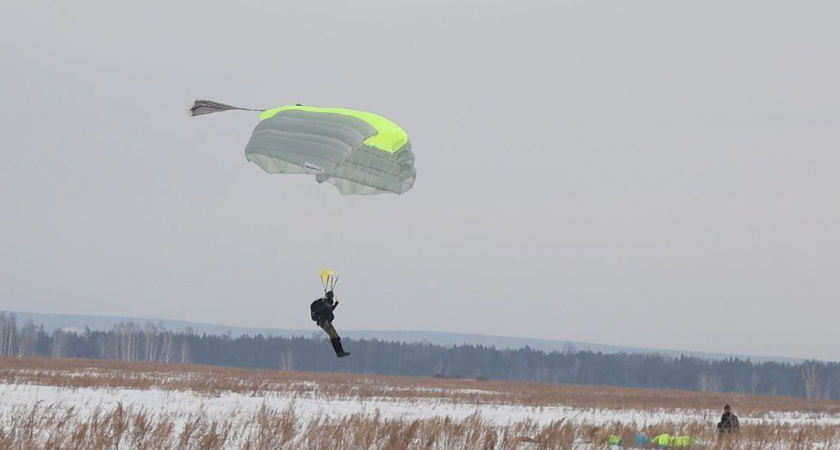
(133, 342)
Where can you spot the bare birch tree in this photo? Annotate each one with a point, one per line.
(709, 381)
(185, 351)
(151, 334)
(59, 343)
(26, 343)
(812, 379)
(8, 334)
(3, 325)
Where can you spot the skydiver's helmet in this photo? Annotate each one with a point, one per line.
(330, 297)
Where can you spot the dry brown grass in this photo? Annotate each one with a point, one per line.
(267, 429)
(122, 427)
(39, 426)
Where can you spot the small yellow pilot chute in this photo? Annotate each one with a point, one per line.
(328, 279)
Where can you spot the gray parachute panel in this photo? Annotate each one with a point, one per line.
(305, 142)
(371, 171)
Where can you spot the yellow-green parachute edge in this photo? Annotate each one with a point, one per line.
(389, 136)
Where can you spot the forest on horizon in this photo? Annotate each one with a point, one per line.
(148, 342)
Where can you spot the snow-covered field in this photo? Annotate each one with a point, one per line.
(182, 403)
(56, 405)
(177, 403)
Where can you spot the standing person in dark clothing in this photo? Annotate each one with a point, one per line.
(728, 422)
(322, 313)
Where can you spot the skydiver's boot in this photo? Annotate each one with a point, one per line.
(339, 351)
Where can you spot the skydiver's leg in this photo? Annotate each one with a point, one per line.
(335, 340)
(330, 330)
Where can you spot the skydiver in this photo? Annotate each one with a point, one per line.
(322, 313)
(728, 422)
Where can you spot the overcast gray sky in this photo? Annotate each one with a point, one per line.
(647, 173)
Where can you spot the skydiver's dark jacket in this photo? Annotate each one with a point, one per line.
(321, 311)
(728, 423)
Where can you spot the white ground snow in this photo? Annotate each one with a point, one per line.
(18, 397)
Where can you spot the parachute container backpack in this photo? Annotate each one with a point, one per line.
(361, 153)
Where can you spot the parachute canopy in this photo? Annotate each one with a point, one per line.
(359, 152)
